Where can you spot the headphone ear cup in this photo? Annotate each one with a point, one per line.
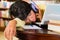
(34, 8)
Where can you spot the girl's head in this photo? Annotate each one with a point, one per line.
(22, 10)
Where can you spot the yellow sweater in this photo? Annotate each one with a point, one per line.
(19, 24)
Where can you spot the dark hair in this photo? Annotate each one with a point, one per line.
(20, 9)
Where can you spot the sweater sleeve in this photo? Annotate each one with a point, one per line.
(20, 23)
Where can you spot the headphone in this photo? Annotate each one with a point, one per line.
(33, 5)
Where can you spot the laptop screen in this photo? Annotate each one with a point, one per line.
(52, 12)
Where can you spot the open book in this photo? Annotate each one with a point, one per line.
(54, 25)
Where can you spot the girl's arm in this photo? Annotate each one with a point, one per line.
(10, 30)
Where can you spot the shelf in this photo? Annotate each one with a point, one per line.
(11, 0)
(5, 18)
(2, 28)
(4, 8)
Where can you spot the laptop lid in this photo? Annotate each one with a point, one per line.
(52, 12)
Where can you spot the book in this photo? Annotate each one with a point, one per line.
(55, 28)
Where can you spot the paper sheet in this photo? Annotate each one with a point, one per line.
(54, 28)
(31, 27)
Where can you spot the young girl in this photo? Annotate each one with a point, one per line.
(22, 13)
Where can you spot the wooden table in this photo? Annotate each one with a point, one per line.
(37, 34)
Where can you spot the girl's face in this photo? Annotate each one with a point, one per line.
(31, 17)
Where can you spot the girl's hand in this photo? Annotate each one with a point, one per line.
(10, 30)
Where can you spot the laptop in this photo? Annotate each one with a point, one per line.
(52, 12)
